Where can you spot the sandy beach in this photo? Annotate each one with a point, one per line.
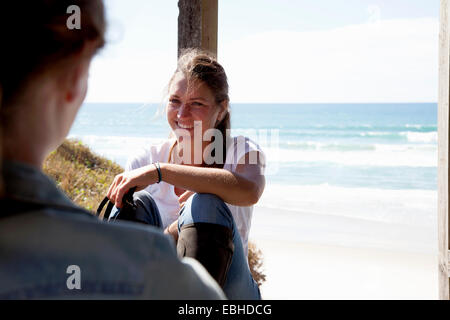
(371, 261)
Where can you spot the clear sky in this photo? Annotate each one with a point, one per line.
(280, 50)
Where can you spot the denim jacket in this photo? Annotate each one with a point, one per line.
(52, 249)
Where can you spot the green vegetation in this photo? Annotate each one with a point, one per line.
(85, 177)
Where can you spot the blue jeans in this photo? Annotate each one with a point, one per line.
(207, 208)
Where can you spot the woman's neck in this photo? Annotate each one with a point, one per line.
(21, 151)
(177, 156)
(26, 136)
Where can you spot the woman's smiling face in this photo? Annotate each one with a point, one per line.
(191, 106)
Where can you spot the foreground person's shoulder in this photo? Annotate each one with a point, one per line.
(166, 276)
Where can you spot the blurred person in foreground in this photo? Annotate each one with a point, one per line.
(46, 241)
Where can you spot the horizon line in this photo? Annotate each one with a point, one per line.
(237, 102)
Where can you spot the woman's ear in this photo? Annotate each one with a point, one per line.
(76, 85)
(75, 74)
(223, 110)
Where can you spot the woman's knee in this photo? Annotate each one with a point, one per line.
(207, 199)
(206, 208)
(147, 210)
(143, 197)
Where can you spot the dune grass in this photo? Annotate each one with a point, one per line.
(85, 178)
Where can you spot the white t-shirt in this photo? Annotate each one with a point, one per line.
(164, 193)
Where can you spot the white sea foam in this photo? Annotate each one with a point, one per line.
(428, 137)
(375, 134)
(415, 126)
(338, 146)
(382, 155)
(410, 136)
(420, 126)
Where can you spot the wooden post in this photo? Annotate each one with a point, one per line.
(210, 11)
(198, 24)
(443, 150)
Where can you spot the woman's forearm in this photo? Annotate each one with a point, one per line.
(232, 188)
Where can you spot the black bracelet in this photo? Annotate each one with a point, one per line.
(159, 171)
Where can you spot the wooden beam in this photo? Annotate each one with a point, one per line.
(443, 150)
(210, 12)
(189, 24)
(198, 25)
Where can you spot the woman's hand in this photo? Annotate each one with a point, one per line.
(173, 230)
(183, 198)
(139, 178)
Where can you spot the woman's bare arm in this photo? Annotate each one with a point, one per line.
(243, 187)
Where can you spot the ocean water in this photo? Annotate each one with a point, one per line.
(367, 161)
